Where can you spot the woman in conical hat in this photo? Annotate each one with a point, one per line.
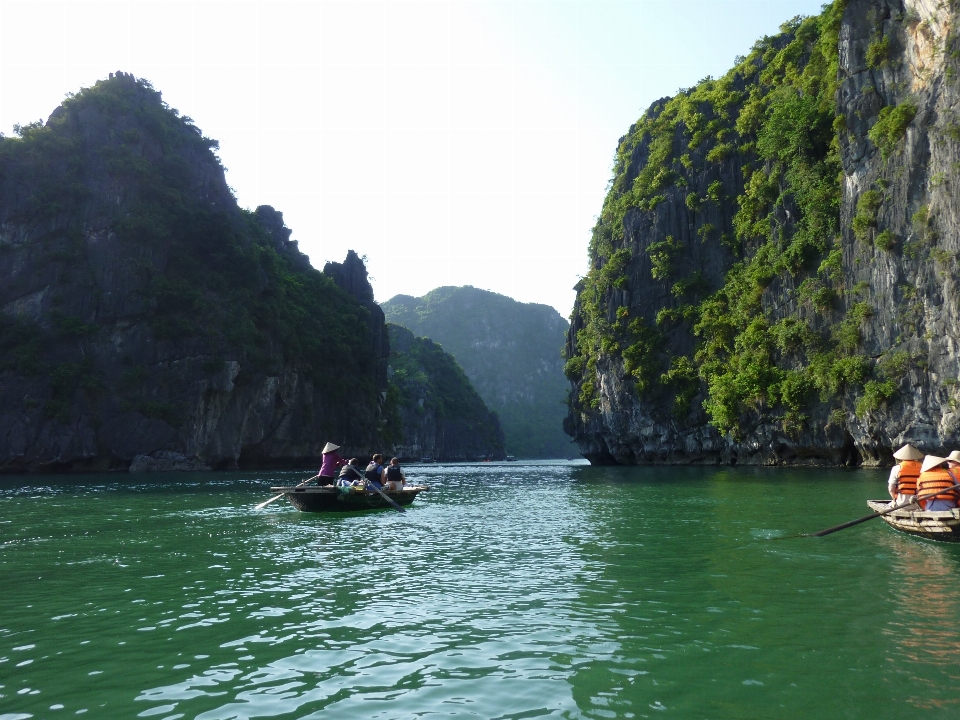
(935, 476)
(902, 483)
(331, 463)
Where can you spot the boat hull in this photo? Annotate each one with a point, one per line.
(332, 499)
(943, 525)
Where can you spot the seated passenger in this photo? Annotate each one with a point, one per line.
(374, 472)
(902, 483)
(394, 476)
(934, 476)
(350, 474)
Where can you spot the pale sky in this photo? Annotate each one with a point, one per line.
(452, 143)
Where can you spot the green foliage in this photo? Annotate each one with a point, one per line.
(640, 356)
(71, 326)
(682, 377)
(66, 379)
(20, 345)
(886, 241)
(876, 394)
(777, 110)
(891, 126)
(224, 288)
(663, 255)
(865, 219)
(878, 52)
(427, 378)
(573, 368)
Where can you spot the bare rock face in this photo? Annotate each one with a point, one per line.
(147, 322)
(746, 303)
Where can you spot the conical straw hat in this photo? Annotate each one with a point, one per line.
(330, 447)
(955, 455)
(908, 452)
(931, 461)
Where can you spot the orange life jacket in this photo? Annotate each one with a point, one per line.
(907, 480)
(933, 480)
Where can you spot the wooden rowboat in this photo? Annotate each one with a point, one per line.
(943, 525)
(329, 498)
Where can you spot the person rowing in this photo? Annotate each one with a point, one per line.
(331, 463)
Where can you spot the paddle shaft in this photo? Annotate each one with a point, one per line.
(396, 505)
(881, 513)
(264, 504)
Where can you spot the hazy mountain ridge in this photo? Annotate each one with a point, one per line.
(772, 275)
(509, 350)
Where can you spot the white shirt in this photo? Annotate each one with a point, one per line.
(894, 477)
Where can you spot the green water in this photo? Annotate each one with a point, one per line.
(508, 591)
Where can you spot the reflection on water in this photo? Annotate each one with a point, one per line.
(508, 591)
(922, 626)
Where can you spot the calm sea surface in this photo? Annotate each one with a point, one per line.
(508, 591)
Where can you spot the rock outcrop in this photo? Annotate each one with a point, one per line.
(150, 323)
(773, 276)
(432, 409)
(509, 350)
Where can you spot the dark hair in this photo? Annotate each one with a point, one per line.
(378, 457)
(354, 461)
(395, 461)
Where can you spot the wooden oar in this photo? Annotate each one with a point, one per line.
(396, 505)
(264, 504)
(881, 513)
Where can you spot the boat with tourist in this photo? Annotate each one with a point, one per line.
(943, 525)
(329, 498)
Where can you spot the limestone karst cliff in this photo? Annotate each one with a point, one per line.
(773, 274)
(148, 322)
(432, 409)
(508, 349)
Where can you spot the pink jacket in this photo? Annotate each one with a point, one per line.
(331, 461)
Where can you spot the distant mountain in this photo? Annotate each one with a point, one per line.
(511, 353)
(432, 409)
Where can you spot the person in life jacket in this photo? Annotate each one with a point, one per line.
(350, 474)
(374, 472)
(935, 476)
(902, 483)
(394, 476)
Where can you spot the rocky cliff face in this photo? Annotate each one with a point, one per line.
(772, 276)
(508, 350)
(149, 323)
(432, 409)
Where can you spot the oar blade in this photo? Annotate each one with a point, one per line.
(262, 505)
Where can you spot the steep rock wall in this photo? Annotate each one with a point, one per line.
(771, 279)
(148, 322)
(432, 408)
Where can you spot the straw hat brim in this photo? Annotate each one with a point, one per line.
(955, 455)
(330, 447)
(931, 461)
(908, 452)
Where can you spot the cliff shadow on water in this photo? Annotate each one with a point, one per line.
(772, 275)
